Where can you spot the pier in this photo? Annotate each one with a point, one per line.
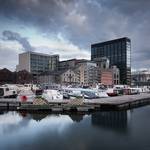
(122, 102)
(111, 103)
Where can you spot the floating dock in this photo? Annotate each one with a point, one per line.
(122, 102)
(111, 103)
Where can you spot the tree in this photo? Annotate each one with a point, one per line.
(23, 77)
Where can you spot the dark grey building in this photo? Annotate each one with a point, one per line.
(71, 63)
(118, 52)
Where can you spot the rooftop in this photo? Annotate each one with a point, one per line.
(42, 54)
(111, 41)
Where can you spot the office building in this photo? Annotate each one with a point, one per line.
(36, 63)
(118, 52)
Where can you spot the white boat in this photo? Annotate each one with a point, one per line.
(86, 93)
(7, 92)
(51, 95)
(135, 90)
(26, 95)
(101, 93)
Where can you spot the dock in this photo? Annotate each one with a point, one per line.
(123, 102)
(111, 103)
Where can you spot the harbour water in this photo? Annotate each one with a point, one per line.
(106, 130)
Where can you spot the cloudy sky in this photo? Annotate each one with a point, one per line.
(68, 27)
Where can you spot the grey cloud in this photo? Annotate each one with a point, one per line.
(87, 21)
(13, 36)
(45, 14)
(8, 59)
(129, 7)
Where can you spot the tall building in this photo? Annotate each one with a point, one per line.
(36, 63)
(118, 52)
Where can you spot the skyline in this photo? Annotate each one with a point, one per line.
(69, 28)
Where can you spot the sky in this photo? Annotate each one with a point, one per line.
(69, 27)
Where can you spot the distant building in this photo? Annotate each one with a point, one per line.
(106, 77)
(118, 52)
(68, 64)
(141, 78)
(102, 62)
(36, 63)
(87, 73)
(83, 72)
(110, 76)
(48, 78)
(116, 75)
(67, 76)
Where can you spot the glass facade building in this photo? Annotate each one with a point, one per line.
(36, 63)
(42, 63)
(118, 52)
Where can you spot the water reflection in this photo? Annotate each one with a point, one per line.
(76, 117)
(115, 120)
(19, 129)
(39, 116)
(101, 130)
(10, 122)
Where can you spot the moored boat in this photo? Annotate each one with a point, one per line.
(51, 95)
(7, 92)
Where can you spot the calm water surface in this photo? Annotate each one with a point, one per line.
(124, 130)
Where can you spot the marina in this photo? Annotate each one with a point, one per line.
(74, 75)
(111, 103)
